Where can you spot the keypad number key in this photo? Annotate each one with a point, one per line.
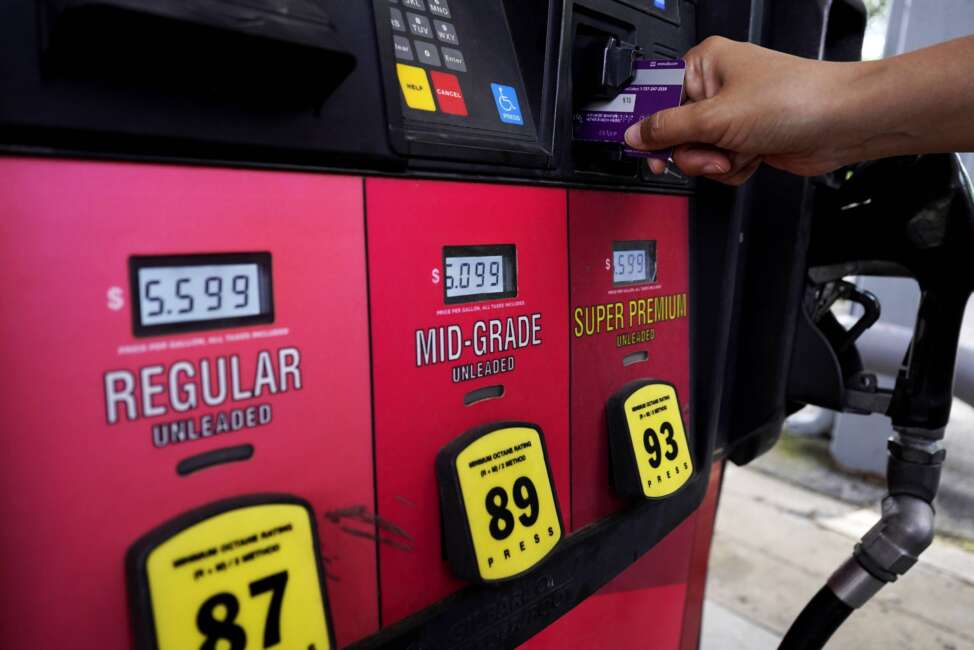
(428, 54)
(396, 19)
(440, 8)
(446, 32)
(419, 25)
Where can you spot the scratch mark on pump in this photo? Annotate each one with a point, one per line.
(396, 536)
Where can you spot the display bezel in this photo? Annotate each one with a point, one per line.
(261, 260)
(507, 252)
(648, 246)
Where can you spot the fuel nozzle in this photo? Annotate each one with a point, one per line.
(908, 217)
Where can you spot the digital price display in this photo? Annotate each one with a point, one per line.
(633, 262)
(196, 292)
(472, 273)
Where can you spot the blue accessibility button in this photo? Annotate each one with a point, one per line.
(507, 105)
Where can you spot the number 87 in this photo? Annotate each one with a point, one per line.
(215, 629)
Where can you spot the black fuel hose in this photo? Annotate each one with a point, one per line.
(817, 623)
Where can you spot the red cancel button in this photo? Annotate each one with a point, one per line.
(448, 93)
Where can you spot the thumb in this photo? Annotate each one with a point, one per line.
(671, 127)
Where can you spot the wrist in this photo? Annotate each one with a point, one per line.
(870, 111)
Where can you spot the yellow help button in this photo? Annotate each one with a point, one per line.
(499, 510)
(647, 440)
(415, 87)
(237, 575)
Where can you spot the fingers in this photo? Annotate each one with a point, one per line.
(702, 72)
(701, 161)
(739, 174)
(674, 126)
(722, 166)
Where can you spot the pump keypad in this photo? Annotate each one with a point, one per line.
(469, 40)
(420, 26)
(413, 80)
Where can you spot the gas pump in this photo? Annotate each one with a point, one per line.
(169, 453)
(327, 333)
(469, 328)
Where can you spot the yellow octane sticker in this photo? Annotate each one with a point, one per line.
(241, 580)
(509, 501)
(659, 441)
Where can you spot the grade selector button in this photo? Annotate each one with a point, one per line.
(647, 440)
(244, 573)
(497, 502)
(508, 107)
(415, 87)
(448, 93)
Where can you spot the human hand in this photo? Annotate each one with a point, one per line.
(746, 105)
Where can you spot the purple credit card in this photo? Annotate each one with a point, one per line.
(658, 85)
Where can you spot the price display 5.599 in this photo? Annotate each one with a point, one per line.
(200, 292)
(498, 501)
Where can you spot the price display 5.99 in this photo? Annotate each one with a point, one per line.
(498, 502)
(241, 578)
(633, 262)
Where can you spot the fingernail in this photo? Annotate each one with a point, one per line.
(634, 136)
(713, 169)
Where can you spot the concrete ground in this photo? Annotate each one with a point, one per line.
(777, 542)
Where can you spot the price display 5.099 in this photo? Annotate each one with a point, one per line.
(472, 273)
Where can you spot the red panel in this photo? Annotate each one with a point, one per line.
(419, 409)
(641, 608)
(77, 491)
(700, 559)
(656, 603)
(596, 220)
